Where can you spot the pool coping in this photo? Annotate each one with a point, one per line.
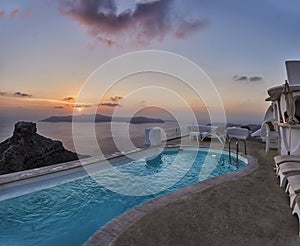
(107, 234)
(71, 165)
(19, 183)
(65, 166)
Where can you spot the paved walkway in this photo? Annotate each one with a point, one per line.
(252, 210)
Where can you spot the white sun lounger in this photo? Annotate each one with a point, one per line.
(218, 133)
(286, 170)
(285, 158)
(293, 188)
(279, 159)
(296, 211)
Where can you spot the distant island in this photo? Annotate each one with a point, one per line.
(102, 118)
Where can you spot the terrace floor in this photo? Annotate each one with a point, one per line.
(252, 210)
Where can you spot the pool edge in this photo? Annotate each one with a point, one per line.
(107, 234)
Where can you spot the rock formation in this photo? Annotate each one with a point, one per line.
(26, 150)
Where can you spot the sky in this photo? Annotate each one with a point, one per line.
(49, 49)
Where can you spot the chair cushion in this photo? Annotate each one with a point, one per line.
(294, 182)
(289, 167)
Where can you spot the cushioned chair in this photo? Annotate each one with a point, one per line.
(285, 158)
(286, 170)
(293, 189)
(280, 159)
(296, 211)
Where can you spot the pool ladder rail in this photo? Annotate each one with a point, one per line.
(237, 134)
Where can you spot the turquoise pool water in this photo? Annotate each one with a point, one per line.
(70, 213)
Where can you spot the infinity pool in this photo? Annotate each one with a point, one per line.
(70, 213)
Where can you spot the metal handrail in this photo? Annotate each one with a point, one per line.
(237, 134)
(237, 147)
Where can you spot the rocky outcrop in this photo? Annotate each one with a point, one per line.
(26, 150)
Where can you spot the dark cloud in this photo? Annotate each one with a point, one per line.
(20, 94)
(187, 28)
(114, 102)
(148, 21)
(240, 78)
(110, 104)
(116, 98)
(59, 107)
(69, 99)
(16, 94)
(82, 106)
(255, 78)
(247, 78)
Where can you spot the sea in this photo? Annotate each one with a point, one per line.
(112, 137)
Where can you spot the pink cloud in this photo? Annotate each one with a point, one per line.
(2, 13)
(186, 28)
(14, 13)
(28, 13)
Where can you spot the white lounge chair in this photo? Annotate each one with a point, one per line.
(193, 128)
(205, 130)
(280, 159)
(238, 133)
(293, 189)
(194, 136)
(285, 158)
(286, 170)
(296, 211)
(219, 133)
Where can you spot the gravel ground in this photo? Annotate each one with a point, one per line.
(252, 210)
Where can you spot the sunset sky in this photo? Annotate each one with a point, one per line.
(49, 48)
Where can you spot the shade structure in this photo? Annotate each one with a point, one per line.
(290, 105)
(290, 108)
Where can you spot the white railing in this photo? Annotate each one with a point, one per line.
(155, 135)
(172, 133)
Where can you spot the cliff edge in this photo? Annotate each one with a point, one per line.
(26, 150)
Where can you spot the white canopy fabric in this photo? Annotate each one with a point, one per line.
(290, 105)
(290, 108)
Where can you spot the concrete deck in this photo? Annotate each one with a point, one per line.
(251, 210)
